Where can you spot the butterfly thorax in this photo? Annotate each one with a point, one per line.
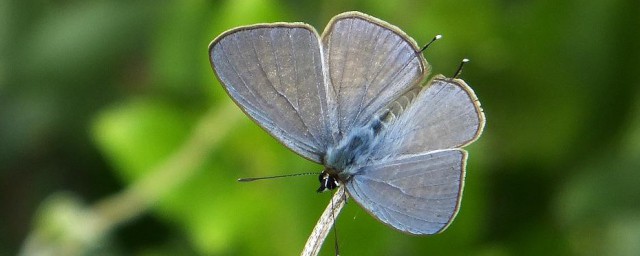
(351, 151)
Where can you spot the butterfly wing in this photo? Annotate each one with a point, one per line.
(274, 73)
(445, 114)
(417, 194)
(370, 63)
(414, 182)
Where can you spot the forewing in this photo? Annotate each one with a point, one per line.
(446, 114)
(370, 63)
(418, 194)
(274, 73)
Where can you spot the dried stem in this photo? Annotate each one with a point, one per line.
(174, 171)
(325, 223)
(76, 228)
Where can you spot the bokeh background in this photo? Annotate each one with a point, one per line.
(98, 97)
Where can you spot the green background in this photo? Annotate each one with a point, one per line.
(94, 95)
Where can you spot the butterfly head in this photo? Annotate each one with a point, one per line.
(328, 180)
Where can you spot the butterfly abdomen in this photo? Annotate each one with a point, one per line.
(389, 114)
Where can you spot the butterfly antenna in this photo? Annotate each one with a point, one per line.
(430, 42)
(459, 71)
(278, 176)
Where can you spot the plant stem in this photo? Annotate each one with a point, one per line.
(325, 223)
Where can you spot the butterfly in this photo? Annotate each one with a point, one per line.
(353, 100)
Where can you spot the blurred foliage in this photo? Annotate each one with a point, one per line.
(94, 94)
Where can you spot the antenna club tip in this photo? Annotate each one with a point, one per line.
(438, 36)
(465, 60)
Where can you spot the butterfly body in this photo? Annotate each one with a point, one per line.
(355, 148)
